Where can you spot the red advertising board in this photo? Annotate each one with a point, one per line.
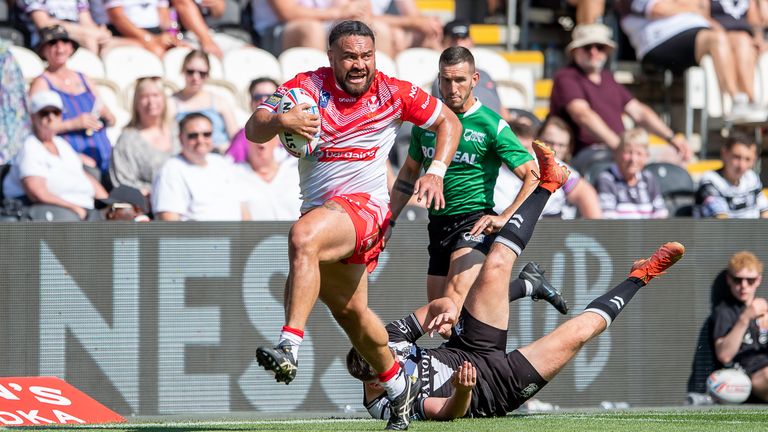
(41, 401)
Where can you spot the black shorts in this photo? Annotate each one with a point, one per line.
(677, 53)
(753, 363)
(505, 380)
(450, 233)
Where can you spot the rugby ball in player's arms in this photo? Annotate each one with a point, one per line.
(296, 144)
(730, 386)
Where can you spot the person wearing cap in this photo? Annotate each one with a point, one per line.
(586, 96)
(74, 16)
(677, 35)
(126, 204)
(84, 116)
(456, 33)
(47, 170)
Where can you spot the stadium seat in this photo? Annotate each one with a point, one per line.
(30, 64)
(419, 66)
(86, 62)
(582, 161)
(11, 34)
(492, 63)
(593, 171)
(300, 59)
(223, 89)
(761, 84)
(676, 185)
(525, 78)
(386, 64)
(125, 64)
(242, 65)
(174, 58)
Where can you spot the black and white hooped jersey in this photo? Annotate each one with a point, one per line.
(717, 196)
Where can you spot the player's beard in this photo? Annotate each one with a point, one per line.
(457, 106)
(355, 90)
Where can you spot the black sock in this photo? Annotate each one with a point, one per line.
(518, 230)
(611, 303)
(517, 290)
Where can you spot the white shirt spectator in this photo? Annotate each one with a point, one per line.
(63, 174)
(142, 13)
(264, 17)
(200, 193)
(66, 10)
(277, 200)
(716, 196)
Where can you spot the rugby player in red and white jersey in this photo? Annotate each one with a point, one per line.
(345, 214)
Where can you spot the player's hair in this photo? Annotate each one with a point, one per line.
(349, 28)
(358, 367)
(457, 54)
(192, 116)
(738, 137)
(744, 260)
(258, 81)
(636, 136)
(196, 54)
(522, 128)
(558, 122)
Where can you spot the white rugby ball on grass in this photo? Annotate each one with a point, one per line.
(730, 386)
(296, 144)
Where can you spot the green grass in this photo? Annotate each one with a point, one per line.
(662, 420)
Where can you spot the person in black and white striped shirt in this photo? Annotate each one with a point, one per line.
(735, 190)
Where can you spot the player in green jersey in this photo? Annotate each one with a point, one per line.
(460, 234)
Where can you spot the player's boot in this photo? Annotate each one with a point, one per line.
(542, 288)
(279, 360)
(661, 260)
(552, 175)
(401, 407)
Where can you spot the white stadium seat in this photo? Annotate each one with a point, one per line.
(174, 58)
(87, 63)
(386, 64)
(492, 63)
(30, 64)
(300, 59)
(419, 66)
(243, 65)
(126, 63)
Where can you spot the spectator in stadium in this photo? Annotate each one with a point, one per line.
(148, 140)
(740, 322)
(142, 23)
(259, 89)
(575, 195)
(192, 16)
(461, 233)
(14, 112)
(472, 375)
(735, 190)
(271, 187)
(345, 216)
(456, 33)
(556, 133)
(73, 16)
(676, 35)
(587, 97)
(399, 25)
(195, 98)
(47, 170)
(197, 184)
(283, 24)
(627, 191)
(85, 117)
(125, 203)
(588, 11)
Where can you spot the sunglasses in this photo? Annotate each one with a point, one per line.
(738, 280)
(47, 112)
(190, 72)
(195, 135)
(260, 96)
(598, 47)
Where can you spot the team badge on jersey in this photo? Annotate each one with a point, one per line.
(324, 98)
(272, 101)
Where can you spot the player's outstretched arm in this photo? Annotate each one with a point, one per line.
(456, 405)
(430, 186)
(264, 125)
(439, 315)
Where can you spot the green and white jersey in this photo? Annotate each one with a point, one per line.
(486, 141)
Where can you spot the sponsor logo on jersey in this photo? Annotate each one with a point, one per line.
(530, 390)
(412, 93)
(346, 154)
(272, 101)
(324, 98)
(347, 99)
(475, 238)
(473, 136)
(458, 157)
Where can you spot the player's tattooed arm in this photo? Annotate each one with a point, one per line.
(403, 186)
(402, 189)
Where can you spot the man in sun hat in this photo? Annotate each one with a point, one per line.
(587, 97)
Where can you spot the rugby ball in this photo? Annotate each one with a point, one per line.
(295, 144)
(729, 386)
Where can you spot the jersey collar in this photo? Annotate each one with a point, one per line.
(473, 109)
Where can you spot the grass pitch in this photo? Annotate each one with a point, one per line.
(657, 420)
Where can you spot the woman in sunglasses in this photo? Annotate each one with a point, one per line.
(740, 322)
(47, 170)
(148, 141)
(195, 98)
(84, 119)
